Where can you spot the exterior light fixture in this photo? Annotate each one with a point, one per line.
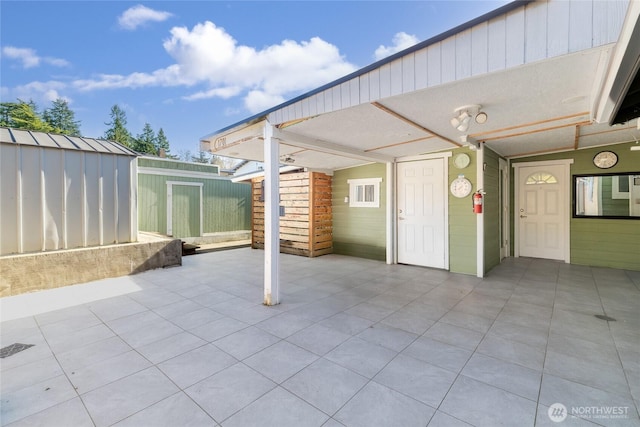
(464, 115)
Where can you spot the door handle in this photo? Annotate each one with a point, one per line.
(401, 219)
(523, 216)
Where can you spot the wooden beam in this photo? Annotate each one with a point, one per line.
(399, 143)
(532, 153)
(529, 124)
(533, 131)
(327, 147)
(414, 124)
(576, 140)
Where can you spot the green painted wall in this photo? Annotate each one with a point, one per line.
(594, 241)
(359, 232)
(491, 209)
(226, 205)
(462, 220)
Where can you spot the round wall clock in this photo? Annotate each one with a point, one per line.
(461, 187)
(461, 160)
(605, 159)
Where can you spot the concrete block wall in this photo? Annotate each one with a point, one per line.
(47, 270)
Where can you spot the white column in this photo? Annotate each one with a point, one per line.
(391, 195)
(271, 217)
(480, 217)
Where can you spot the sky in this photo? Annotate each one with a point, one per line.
(194, 67)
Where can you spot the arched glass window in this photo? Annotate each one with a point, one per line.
(541, 178)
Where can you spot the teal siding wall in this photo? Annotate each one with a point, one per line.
(594, 241)
(226, 205)
(359, 232)
(491, 210)
(462, 220)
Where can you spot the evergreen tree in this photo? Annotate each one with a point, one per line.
(118, 127)
(162, 143)
(146, 141)
(203, 157)
(61, 118)
(22, 115)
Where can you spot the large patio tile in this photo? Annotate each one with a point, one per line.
(318, 339)
(370, 311)
(246, 342)
(531, 336)
(417, 379)
(361, 356)
(148, 334)
(195, 365)
(195, 317)
(29, 374)
(601, 353)
(280, 361)
(123, 398)
(69, 413)
(603, 376)
(440, 419)
(93, 353)
(347, 323)
(325, 385)
(480, 404)
(98, 374)
(80, 338)
(454, 335)
(386, 336)
(508, 376)
(35, 398)
(377, 405)
(170, 347)
(512, 351)
(284, 325)
(439, 354)
(467, 321)
(175, 410)
(115, 308)
(154, 298)
(217, 329)
(278, 408)
(39, 350)
(230, 390)
(409, 319)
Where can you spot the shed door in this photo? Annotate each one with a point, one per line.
(421, 213)
(184, 216)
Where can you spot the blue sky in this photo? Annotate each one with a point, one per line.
(193, 67)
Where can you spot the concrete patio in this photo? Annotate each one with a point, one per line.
(354, 342)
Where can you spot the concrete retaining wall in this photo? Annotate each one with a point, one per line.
(47, 270)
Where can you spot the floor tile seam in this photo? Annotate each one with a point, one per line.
(566, 377)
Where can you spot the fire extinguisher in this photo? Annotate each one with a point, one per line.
(477, 202)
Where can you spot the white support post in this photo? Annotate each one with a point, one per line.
(271, 217)
(391, 195)
(480, 217)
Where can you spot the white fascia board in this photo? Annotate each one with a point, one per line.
(217, 142)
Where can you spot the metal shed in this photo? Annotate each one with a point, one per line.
(63, 192)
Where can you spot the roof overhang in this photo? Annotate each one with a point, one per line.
(620, 99)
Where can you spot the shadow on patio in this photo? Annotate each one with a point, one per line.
(354, 342)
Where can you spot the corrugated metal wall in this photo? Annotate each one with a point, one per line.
(226, 205)
(61, 199)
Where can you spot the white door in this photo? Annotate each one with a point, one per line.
(421, 213)
(542, 211)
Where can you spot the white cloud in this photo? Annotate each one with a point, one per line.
(401, 41)
(208, 56)
(139, 15)
(30, 58)
(39, 92)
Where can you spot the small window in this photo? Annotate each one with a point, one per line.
(541, 178)
(364, 193)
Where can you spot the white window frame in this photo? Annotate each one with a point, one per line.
(353, 192)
